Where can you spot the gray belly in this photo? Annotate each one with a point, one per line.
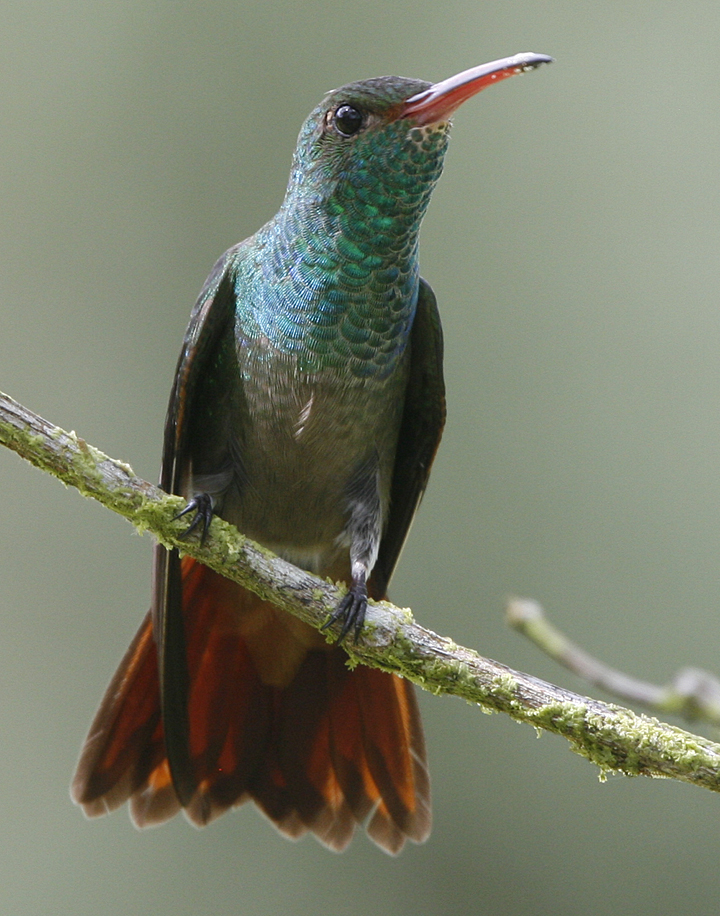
(302, 445)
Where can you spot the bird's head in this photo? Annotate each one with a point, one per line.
(380, 143)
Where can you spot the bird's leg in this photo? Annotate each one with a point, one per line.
(363, 532)
(203, 505)
(208, 491)
(352, 607)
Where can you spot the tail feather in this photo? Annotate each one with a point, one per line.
(399, 769)
(318, 747)
(124, 747)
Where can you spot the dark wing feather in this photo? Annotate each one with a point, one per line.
(211, 316)
(420, 433)
(210, 323)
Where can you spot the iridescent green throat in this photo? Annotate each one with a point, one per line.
(337, 281)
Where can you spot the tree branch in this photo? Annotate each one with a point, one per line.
(691, 693)
(612, 737)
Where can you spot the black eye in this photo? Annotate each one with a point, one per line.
(348, 120)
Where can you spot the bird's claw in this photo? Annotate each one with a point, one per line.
(202, 505)
(351, 611)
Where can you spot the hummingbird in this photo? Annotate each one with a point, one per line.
(307, 407)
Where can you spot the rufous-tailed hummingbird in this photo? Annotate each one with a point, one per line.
(307, 407)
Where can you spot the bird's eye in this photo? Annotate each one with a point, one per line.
(348, 120)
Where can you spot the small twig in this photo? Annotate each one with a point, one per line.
(612, 737)
(692, 693)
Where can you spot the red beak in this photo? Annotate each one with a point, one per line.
(439, 101)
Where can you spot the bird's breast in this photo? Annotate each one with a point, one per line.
(303, 439)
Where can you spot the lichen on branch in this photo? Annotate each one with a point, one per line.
(613, 738)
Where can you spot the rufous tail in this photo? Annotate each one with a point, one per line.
(275, 715)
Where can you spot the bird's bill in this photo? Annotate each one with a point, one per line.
(439, 101)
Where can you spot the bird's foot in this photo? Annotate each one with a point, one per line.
(351, 611)
(202, 505)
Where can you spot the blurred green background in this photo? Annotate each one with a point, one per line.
(573, 245)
